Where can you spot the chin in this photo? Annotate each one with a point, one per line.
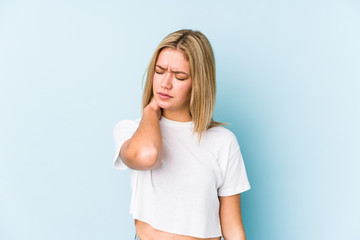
(163, 105)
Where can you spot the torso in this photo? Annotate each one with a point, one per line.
(206, 159)
(146, 232)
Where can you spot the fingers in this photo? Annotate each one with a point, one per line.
(153, 104)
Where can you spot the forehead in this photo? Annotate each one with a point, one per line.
(174, 59)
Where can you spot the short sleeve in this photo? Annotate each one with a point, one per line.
(235, 179)
(123, 130)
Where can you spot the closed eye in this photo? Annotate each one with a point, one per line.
(180, 76)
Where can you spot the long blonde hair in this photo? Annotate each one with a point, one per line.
(199, 53)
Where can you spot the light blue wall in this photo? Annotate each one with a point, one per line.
(288, 82)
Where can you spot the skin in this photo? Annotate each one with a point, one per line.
(143, 151)
(172, 77)
(230, 218)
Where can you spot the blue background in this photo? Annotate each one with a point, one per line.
(288, 82)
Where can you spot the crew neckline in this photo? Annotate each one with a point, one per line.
(176, 123)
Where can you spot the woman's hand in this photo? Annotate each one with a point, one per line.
(155, 107)
(143, 151)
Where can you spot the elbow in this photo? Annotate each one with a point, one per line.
(144, 158)
(150, 158)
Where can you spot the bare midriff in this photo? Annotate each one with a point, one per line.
(146, 232)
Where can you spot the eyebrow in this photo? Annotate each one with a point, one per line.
(176, 72)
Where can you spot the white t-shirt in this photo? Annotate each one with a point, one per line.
(181, 196)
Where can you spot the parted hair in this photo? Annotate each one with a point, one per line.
(199, 53)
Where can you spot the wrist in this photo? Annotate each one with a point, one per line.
(150, 110)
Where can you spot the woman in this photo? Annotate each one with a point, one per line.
(187, 170)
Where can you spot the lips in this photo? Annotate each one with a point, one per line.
(164, 95)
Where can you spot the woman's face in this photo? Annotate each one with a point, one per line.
(172, 81)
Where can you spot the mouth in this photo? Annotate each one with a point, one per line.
(164, 95)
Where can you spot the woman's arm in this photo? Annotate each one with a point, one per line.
(143, 151)
(230, 218)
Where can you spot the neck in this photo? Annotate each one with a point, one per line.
(183, 116)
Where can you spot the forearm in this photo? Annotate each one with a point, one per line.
(146, 143)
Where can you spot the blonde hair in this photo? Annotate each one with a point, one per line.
(199, 53)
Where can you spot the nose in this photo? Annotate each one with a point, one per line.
(166, 82)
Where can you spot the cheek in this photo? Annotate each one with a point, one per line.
(186, 90)
(155, 83)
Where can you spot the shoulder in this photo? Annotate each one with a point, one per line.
(222, 137)
(127, 124)
(221, 132)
